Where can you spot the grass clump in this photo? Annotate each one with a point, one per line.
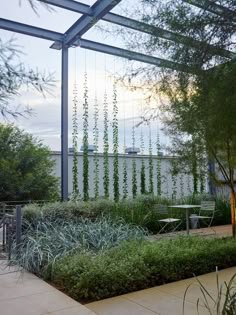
(47, 241)
(138, 265)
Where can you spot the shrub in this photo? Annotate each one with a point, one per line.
(46, 241)
(66, 210)
(139, 265)
(140, 211)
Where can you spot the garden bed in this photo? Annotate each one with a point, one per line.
(137, 265)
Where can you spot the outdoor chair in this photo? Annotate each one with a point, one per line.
(168, 224)
(206, 214)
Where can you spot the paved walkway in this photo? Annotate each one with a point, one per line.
(25, 294)
(163, 300)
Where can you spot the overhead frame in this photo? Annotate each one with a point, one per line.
(100, 10)
(113, 18)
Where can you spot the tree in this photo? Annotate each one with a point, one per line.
(25, 167)
(201, 106)
(207, 114)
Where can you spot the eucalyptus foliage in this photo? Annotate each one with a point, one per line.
(14, 76)
(106, 175)
(116, 190)
(85, 141)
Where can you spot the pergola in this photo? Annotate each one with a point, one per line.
(100, 10)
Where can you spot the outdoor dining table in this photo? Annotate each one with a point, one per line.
(186, 209)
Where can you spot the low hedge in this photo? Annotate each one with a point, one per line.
(140, 211)
(139, 265)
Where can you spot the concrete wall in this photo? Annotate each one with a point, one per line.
(184, 182)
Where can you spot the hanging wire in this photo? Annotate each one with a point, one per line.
(96, 133)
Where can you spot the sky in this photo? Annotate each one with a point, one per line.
(101, 70)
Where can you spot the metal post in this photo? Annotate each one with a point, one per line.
(18, 225)
(64, 125)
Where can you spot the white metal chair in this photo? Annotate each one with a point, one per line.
(206, 213)
(168, 221)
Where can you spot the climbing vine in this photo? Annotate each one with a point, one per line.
(134, 168)
(125, 179)
(106, 179)
(116, 190)
(95, 141)
(182, 185)
(142, 171)
(75, 189)
(158, 165)
(85, 141)
(150, 163)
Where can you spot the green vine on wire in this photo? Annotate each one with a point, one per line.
(125, 179)
(116, 190)
(95, 141)
(85, 141)
(150, 164)
(182, 185)
(75, 189)
(158, 166)
(106, 178)
(143, 169)
(134, 168)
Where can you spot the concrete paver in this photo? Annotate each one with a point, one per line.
(26, 294)
(165, 299)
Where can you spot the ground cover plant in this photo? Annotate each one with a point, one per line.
(138, 265)
(47, 240)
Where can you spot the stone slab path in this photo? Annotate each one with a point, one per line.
(26, 294)
(163, 300)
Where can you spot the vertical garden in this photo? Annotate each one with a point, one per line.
(108, 171)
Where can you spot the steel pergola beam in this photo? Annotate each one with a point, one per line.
(131, 55)
(139, 26)
(213, 7)
(91, 45)
(85, 22)
(30, 30)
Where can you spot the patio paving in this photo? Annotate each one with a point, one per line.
(26, 294)
(215, 231)
(162, 300)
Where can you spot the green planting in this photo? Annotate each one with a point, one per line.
(43, 243)
(138, 265)
(141, 211)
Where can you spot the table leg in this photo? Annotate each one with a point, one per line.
(187, 221)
